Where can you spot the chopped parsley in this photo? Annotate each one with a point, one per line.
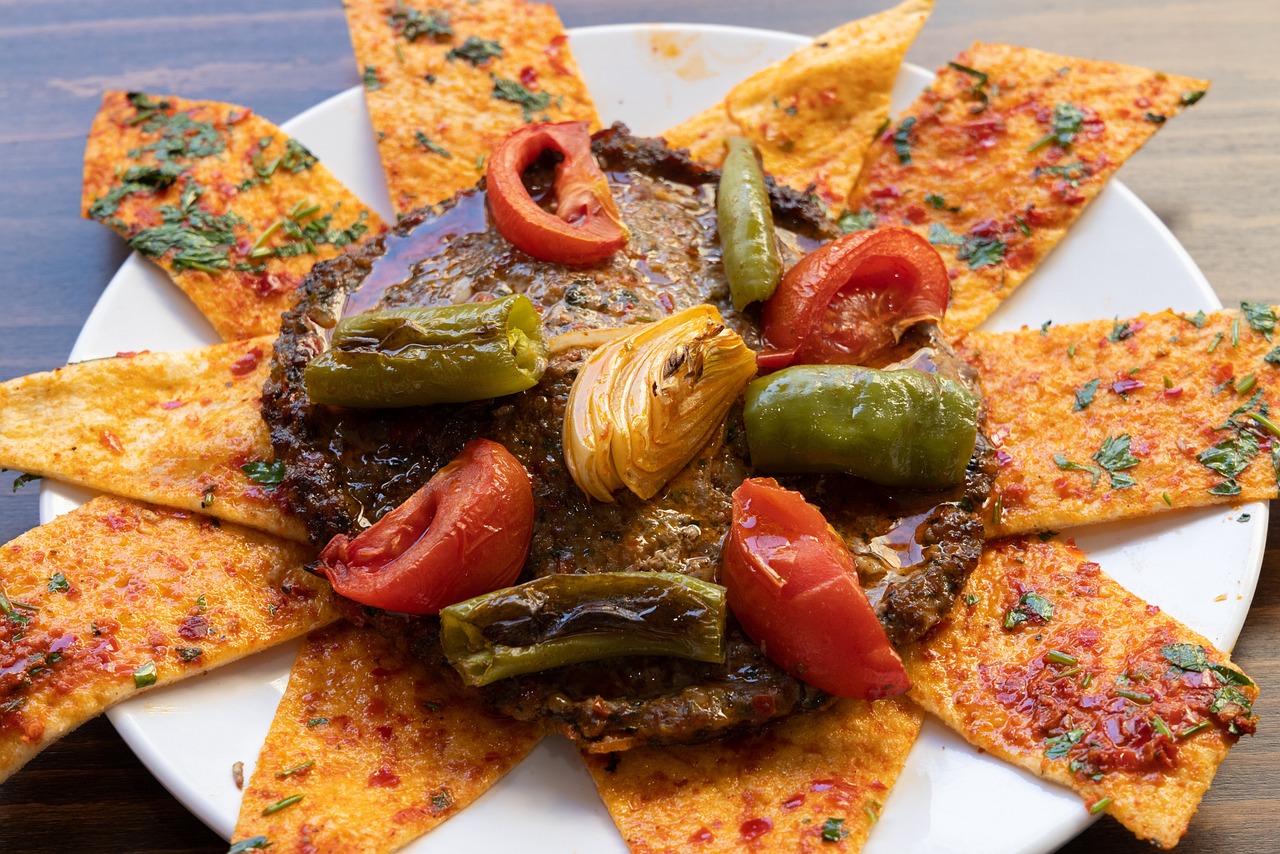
(198, 239)
(23, 479)
(7, 608)
(1099, 805)
(145, 676)
(180, 137)
(1229, 458)
(136, 179)
(1272, 358)
(1084, 394)
(981, 251)
(940, 235)
(1197, 320)
(833, 830)
(253, 843)
(58, 583)
(1072, 173)
(414, 25)
(1044, 327)
(865, 220)
(1155, 118)
(206, 498)
(297, 769)
(513, 91)
(1261, 317)
(423, 140)
(317, 722)
(370, 79)
(1068, 119)
(1031, 607)
(188, 653)
(1114, 456)
(1121, 331)
(1193, 657)
(296, 158)
(1067, 465)
(476, 51)
(972, 599)
(1059, 746)
(441, 800)
(303, 237)
(902, 139)
(939, 203)
(1230, 696)
(265, 473)
(1189, 98)
(979, 88)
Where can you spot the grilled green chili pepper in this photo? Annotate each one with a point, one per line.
(745, 222)
(419, 356)
(897, 428)
(564, 619)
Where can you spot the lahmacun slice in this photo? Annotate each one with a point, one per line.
(176, 429)
(1049, 664)
(445, 80)
(233, 208)
(118, 596)
(813, 114)
(813, 782)
(998, 157)
(1115, 419)
(372, 747)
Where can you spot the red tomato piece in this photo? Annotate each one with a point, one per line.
(465, 533)
(853, 297)
(794, 588)
(586, 227)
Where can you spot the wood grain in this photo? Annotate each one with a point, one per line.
(1209, 177)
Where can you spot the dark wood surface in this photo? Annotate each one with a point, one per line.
(1211, 176)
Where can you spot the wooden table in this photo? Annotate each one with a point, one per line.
(1210, 177)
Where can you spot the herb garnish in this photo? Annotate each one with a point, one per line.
(1114, 456)
(1229, 458)
(1230, 696)
(1193, 657)
(136, 179)
(981, 251)
(1031, 607)
(516, 93)
(188, 653)
(58, 583)
(1189, 98)
(413, 24)
(902, 139)
(1084, 394)
(265, 473)
(979, 88)
(1197, 320)
(972, 599)
(833, 830)
(865, 220)
(1068, 119)
(317, 722)
(1067, 465)
(476, 51)
(253, 843)
(1260, 316)
(1059, 746)
(1072, 173)
(296, 158)
(1099, 805)
(7, 608)
(297, 769)
(425, 141)
(370, 79)
(281, 804)
(939, 203)
(940, 235)
(1155, 118)
(199, 240)
(1121, 331)
(180, 137)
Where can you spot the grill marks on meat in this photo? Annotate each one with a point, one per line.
(344, 469)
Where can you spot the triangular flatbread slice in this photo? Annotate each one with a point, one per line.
(1047, 663)
(998, 157)
(1117, 419)
(117, 597)
(233, 208)
(370, 748)
(445, 80)
(181, 429)
(814, 781)
(813, 114)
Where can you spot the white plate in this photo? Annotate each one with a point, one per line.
(1119, 260)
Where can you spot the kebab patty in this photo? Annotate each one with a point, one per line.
(346, 468)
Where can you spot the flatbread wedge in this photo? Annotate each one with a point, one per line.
(371, 747)
(1047, 663)
(177, 429)
(1115, 419)
(812, 782)
(813, 114)
(234, 209)
(118, 596)
(996, 160)
(447, 79)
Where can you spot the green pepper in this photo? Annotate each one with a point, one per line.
(897, 428)
(565, 619)
(745, 222)
(420, 356)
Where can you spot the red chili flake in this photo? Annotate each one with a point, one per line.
(529, 78)
(173, 404)
(129, 354)
(555, 53)
(1126, 384)
(384, 778)
(701, 836)
(889, 192)
(385, 732)
(111, 441)
(1142, 102)
(793, 802)
(755, 828)
(247, 363)
(194, 627)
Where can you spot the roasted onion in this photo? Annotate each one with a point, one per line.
(645, 404)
